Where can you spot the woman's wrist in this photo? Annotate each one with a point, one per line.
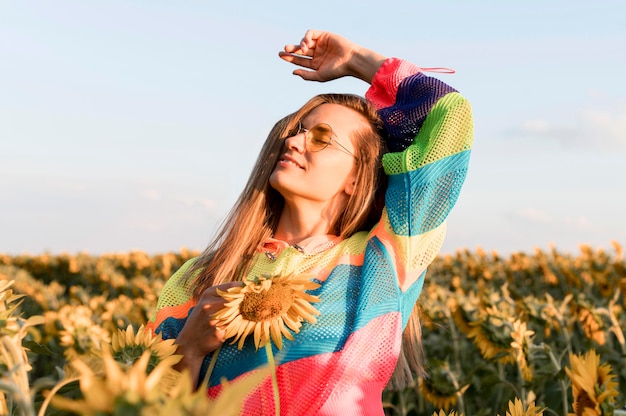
(365, 63)
(190, 362)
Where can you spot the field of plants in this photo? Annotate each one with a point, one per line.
(538, 333)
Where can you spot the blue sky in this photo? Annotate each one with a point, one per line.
(133, 125)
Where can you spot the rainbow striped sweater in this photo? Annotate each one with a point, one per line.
(370, 281)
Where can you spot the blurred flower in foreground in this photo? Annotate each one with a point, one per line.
(127, 347)
(516, 408)
(442, 413)
(593, 385)
(132, 391)
(14, 364)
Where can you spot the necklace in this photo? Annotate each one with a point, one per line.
(272, 255)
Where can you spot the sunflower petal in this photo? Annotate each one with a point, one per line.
(285, 331)
(276, 333)
(257, 336)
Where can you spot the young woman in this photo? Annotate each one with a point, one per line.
(350, 194)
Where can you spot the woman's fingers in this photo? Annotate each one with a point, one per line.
(219, 332)
(307, 44)
(309, 39)
(307, 75)
(296, 58)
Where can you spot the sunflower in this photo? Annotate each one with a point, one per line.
(9, 302)
(184, 399)
(517, 409)
(440, 388)
(442, 413)
(593, 385)
(521, 342)
(14, 365)
(492, 336)
(465, 313)
(132, 391)
(119, 390)
(127, 347)
(592, 325)
(437, 398)
(13, 328)
(267, 306)
(80, 334)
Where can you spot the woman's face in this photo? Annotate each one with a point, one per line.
(326, 176)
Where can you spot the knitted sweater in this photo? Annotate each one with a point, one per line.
(370, 281)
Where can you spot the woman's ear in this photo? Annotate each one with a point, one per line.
(350, 185)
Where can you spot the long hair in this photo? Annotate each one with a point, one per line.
(256, 213)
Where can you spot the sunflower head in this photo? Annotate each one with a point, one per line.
(127, 347)
(269, 307)
(492, 335)
(522, 340)
(594, 388)
(79, 333)
(442, 413)
(516, 408)
(440, 388)
(120, 389)
(9, 303)
(592, 324)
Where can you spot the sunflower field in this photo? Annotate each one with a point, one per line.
(527, 334)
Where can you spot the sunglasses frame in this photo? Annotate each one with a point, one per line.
(308, 135)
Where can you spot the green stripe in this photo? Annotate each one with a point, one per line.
(415, 155)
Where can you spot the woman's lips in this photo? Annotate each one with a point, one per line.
(287, 160)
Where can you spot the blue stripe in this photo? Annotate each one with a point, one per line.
(419, 201)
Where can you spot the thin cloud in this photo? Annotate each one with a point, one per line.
(600, 127)
(534, 215)
(539, 217)
(150, 194)
(192, 201)
(176, 198)
(580, 222)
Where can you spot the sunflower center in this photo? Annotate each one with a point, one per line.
(266, 304)
(583, 401)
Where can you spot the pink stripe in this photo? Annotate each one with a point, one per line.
(384, 88)
(332, 383)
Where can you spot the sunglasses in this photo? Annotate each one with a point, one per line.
(318, 137)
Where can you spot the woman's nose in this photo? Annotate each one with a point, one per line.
(296, 142)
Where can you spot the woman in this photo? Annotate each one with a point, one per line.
(313, 207)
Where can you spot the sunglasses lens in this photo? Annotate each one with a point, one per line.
(318, 137)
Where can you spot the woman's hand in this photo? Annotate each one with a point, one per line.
(200, 335)
(330, 57)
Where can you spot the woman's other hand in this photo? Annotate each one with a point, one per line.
(200, 335)
(329, 56)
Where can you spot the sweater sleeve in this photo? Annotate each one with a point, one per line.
(430, 129)
(174, 303)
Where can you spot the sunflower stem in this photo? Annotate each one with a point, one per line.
(272, 363)
(557, 366)
(16, 396)
(499, 388)
(209, 371)
(46, 403)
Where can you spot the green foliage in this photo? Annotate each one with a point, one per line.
(474, 306)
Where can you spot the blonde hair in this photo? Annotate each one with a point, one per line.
(256, 213)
